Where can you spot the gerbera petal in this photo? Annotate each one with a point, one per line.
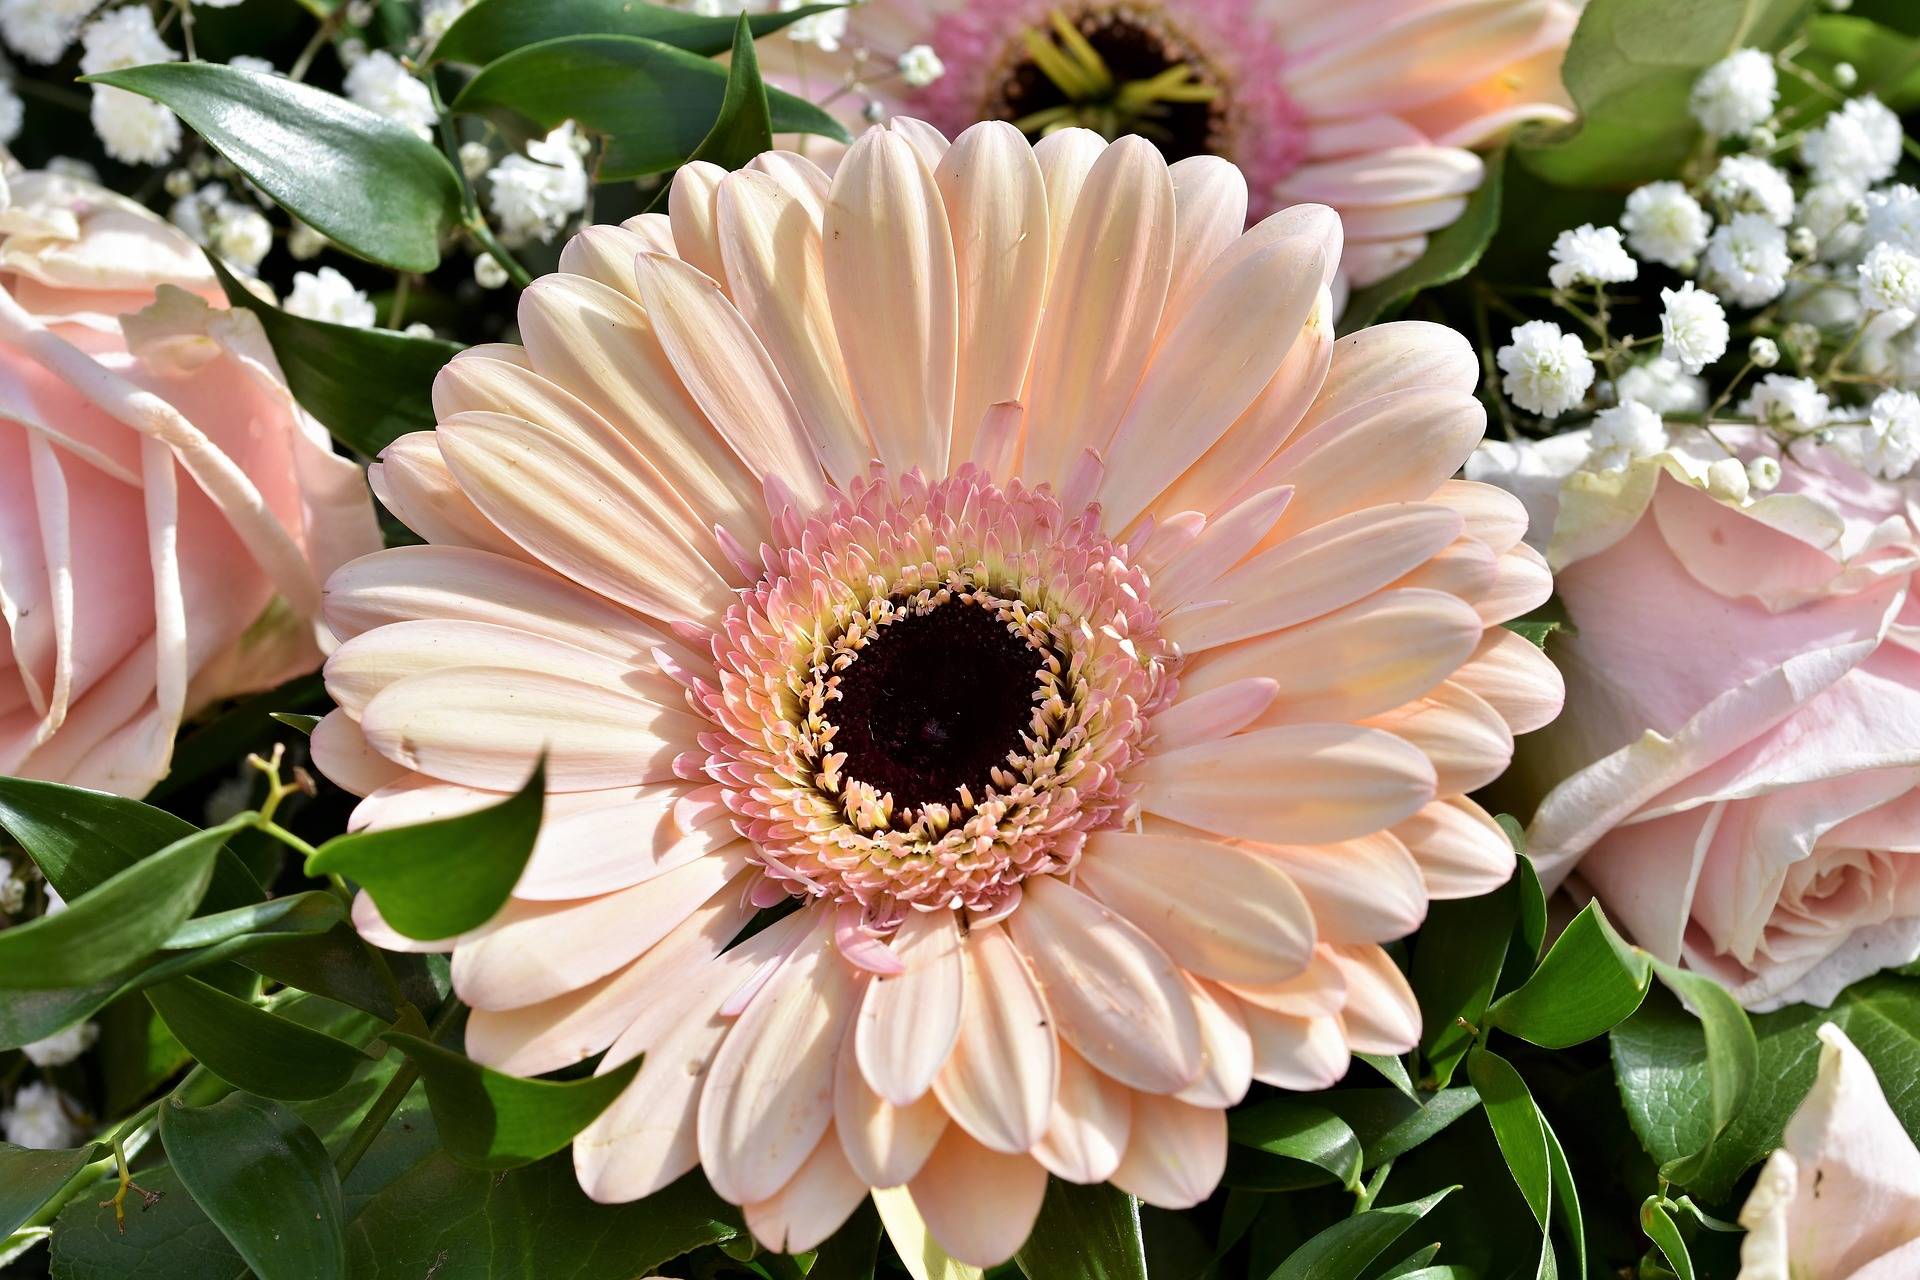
(1516, 679)
(769, 1094)
(1218, 712)
(1462, 851)
(1302, 784)
(1210, 212)
(1299, 1054)
(1088, 1123)
(342, 753)
(890, 278)
(1465, 738)
(1381, 1015)
(885, 1144)
(1227, 1049)
(816, 1200)
(1523, 585)
(606, 254)
(1368, 889)
(690, 207)
(978, 1204)
(908, 1025)
(998, 1083)
(1066, 157)
(1175, 1153)
(1115, 996)
(1492, 515)
(633, 837)
(1218, 911)
(412, 481)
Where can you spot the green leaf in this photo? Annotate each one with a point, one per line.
(1566, 1198)
(1733, 1055)
(491, 1120)
(1630, 69)
(1662, 1066)
(1516, 1126)
(744, 127)
(1533, 899)
(1665, 1232)
(654, 103)
(1451, 252)
(438, 879)
(1085, 1233)
(365, 182)
(1456, 963)
(1346, 1249)
(851, 1252)
(1389, 1124)
(1535, 627)
(293, 720)
(29, 1178)
(1300, 1131)
(264, 1179)
(251, 1048)
(104, 932)
(1887, 62)
(494, 28)
(166, 1239)
(1589, 981)
(314, 911)
(366, 386)
(1391, 1069)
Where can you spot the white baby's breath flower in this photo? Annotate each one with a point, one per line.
(303, 242)
(1764, 352)
(1748, 184)
(327, 295)
(13, 113)
(381, 84)
(134, 130)
(1663, 386)
(824, 31)
(532, 196)
(247, 62)
(920, 66)
(437, 15)
(419, 329)
(474, 159)
(1893, 217)
(13, 890)
(1792, 404)
(1547, 371)
(1747, 260)
(1890, 444)
(488, 273)
(39, 1118)
(1590, 255)
(1860, 143)
(1763, 474)
(1832, 212)
(1727, 480)
(1693, 327)
(62, 1047)
(242, 235)
(73, 167)
(41, 30)
(1735, 94)
(1624, 432)
(1890, 279)
(1666, 225)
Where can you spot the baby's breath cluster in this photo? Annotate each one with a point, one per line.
(1785, 264)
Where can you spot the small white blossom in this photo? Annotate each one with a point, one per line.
(1747, 260)
(1693, 327)
(1735, 94)
(381, 84)
(1624, 432)
(303, 242)
(822, 30)
(1890, 279)
(327, 295)
(1590, 255)
(437, 15)
(488, 273)
(1845, 75)
(1832, 212)
(1547, 371)
(1666, 225)
(359, 13)
(1891, 441)
(474, 159)
(247, 62)
(1893, 217)
(219, 4)
(41, 30)
(39, 1119)
(1859, 143)
(920, 66)
(1794, 404)
(1663, 386)
(133, 129)
(1748, 184)
(1727, 480)
(532, 196)
(242, 235)
(419, 329)
(1764, 352)
(1763, 474)
(13, 113)
(62, 1047)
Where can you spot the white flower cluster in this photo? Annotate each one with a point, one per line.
(133, 129)
(328, 296)
(532, 196)
(236, 230)
(382, 84)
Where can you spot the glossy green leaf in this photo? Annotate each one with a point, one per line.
(1388, 1124)
(1630, 68)
(1298, 1131)
(654, 103)
(1451, 252)
(1345, 1250)
(1085, 1233)
(494, 28)
(744, 127)
(1665, 1233)
(1391, 1069)
(438, 879)
(1733, 1055)
(365, 182)
(1457, 958)
(366, 386)
(29, 1178)
(167, 1239)
(252, 1048)
(293, 720)
(314, 911)
(492, 1120)
(1566, 1199)
(262, 1176)
(1590, 981)
(1533, 899)
(852, 1252)
(110, 929)
(1548, 619)
(1516, 1127)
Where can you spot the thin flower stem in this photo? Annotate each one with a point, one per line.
(471, 219)
(477, 227)
(362, 1138)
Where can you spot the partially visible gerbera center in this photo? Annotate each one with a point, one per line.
(932, 692)
(1115, 70)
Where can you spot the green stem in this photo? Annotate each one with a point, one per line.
(368, 1130)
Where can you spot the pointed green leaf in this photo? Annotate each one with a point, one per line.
(276, 919)
(262, 1176)
(744, 127)
(1346, 1249)
(365, 182)
(1085, 1233)
(654, 103)
(494, 28)
(1733, 1057)
(437, 879)
(1516, 1127)
(1665, 1233)
(293, 719)
(1590, 981)
(29, 1178)
(1457, 958)
(250, 1047)
(1300, 1131)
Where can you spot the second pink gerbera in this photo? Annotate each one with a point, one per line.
(1004, 671)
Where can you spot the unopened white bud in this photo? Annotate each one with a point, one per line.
(1762, 139)
(1727, 480)
(488, 273)
(1802, 243)
(1763, 475)
(179, 184)
(1764, 352)
(1844, 75)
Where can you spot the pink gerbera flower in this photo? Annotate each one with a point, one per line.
(1373, 107)
(987, 558)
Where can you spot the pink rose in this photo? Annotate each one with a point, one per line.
(167, 512)
(1840, 1200)
(1735, 773)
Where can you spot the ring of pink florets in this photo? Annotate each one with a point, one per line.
(893, 546)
